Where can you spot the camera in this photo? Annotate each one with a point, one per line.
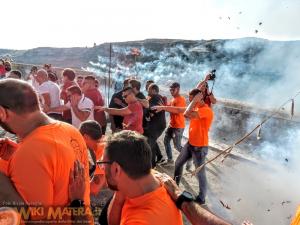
(212, 75)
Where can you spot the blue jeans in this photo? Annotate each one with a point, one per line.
(198, 154)
(176, 135)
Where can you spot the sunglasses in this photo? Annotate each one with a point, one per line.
(101, 163)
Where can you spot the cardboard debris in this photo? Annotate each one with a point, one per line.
(224, 205)
(285, 202)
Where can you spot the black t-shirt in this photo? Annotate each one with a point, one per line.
(117, 119)
(117, 95)
(140, 95)
(155, 121)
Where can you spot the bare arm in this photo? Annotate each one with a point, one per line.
(81, 114)
(116, 112)
(115, 209)
(144, 102)
(194, 212)
(61, 108)
(200, 216)
(47, 100)
(201, 83)
(212, 98)
(76, 191)
(8, 194)
(189, 113)
(170, 109)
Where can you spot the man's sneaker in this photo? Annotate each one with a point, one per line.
(160, 161)
(169, 162)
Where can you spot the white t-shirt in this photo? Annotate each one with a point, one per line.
(53, 90)
(85, 104)
(34, 83)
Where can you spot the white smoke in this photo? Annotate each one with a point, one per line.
(256, 71)
(268, 192)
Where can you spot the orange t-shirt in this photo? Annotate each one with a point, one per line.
(177, 120)
(296, 220)
(199, 127)
(99, 153)
(153, 208)
(3, 166)
(40, 167)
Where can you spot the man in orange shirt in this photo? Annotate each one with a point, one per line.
(140, 198)
(92, 134)
(201, 117)
(40, 164)
(176, 127)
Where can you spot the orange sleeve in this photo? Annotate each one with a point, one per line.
(37, 188)
(181, 102)
(3, 166)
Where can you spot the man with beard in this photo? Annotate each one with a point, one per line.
(39, 166)
(176, 127)
(132, 114)
(140, 198)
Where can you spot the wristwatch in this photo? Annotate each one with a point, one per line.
(77, 203)
(184, 197)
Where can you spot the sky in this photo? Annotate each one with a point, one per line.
(66, 23)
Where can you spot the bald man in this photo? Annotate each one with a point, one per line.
(49, 93)
(39, 166)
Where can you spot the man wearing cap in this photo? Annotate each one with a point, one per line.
(175, 130)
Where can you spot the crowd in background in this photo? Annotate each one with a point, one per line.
(64, 152)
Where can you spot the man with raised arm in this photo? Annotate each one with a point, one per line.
(201, 117)
(177, 121)
(82, 108)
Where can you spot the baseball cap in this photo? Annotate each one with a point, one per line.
(175, 85)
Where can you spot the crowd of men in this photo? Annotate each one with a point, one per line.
(63, 154)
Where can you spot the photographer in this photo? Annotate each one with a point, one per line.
(208, 96)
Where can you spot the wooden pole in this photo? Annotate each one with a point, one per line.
(109, 74)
